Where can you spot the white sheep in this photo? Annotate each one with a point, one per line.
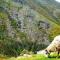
(54, 46)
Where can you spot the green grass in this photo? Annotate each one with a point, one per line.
(34, 57)
(38, 57)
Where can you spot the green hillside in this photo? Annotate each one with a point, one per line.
(27, 25)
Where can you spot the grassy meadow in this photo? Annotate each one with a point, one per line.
(32, 57)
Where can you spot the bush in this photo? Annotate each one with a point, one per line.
(26, 52)
(10, 47)
(54, 32)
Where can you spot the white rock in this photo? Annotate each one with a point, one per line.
(27, 55)
(42, 52)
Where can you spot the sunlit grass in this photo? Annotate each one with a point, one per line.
(33, 57)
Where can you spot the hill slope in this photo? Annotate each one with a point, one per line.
(26, 24)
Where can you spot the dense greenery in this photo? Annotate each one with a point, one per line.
(21, 30)
(54, 32)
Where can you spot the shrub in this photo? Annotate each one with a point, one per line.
(54, 32)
